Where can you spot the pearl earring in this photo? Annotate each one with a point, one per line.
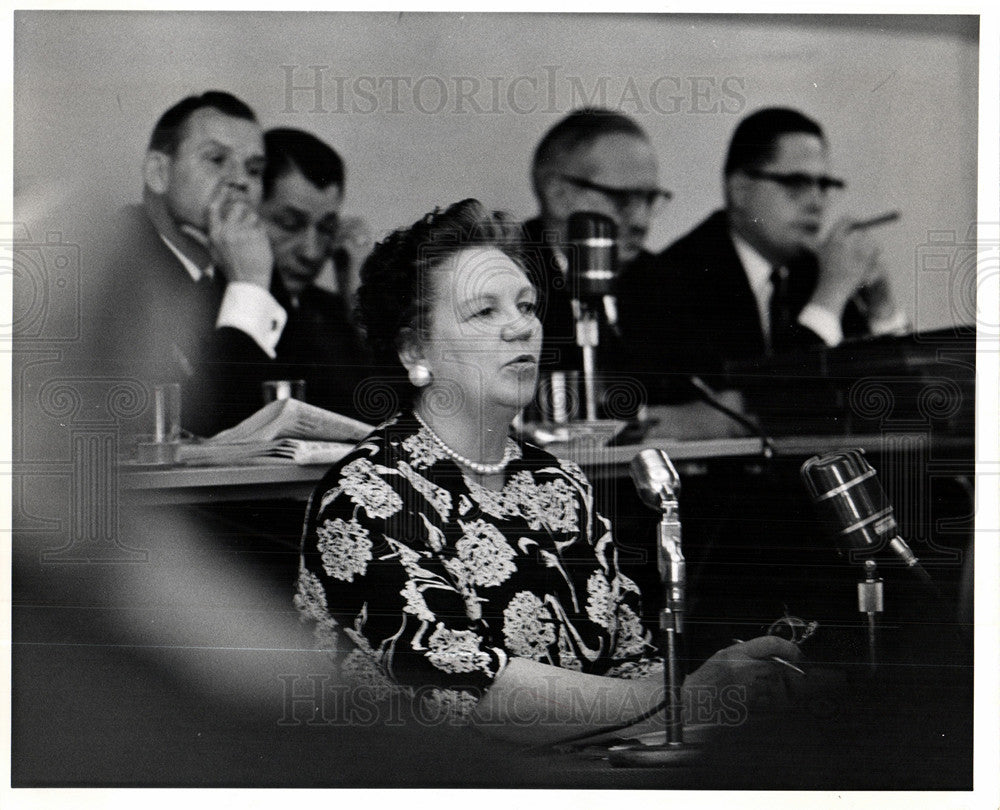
(420, 376)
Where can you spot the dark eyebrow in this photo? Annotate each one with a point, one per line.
(211, 142)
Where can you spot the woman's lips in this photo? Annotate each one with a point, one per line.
(525, 362)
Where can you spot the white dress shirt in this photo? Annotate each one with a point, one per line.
(818, 319)
(246, 307)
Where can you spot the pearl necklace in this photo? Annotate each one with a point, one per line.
(475, 466)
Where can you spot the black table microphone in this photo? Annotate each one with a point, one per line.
(592, 254)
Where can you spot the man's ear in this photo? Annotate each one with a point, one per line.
(410, 349)
(736, 187)
(156, 171)
(555, 195)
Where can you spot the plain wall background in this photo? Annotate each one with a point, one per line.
(896, 95)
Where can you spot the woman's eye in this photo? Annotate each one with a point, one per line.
(528, 307)
(485, 312)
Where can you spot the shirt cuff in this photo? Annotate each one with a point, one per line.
(252, 310)
(823, 322)
(896, 324)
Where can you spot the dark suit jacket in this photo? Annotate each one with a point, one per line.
(159, 326)
(559, 349)
(319, 345)
(620, 395)
(691, 311)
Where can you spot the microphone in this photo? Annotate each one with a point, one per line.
(591, 251)
(658, 484)
(847, 494)
(655, 478)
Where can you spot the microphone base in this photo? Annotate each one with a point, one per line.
(654, 756)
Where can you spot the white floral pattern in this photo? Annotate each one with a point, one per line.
(464, 505)
(551, 506)
(436, 496)
(345, 548)
(642, 668)
(415, 602)
(435, 580)
(457, 704)
(310, 600)
(422, 449)
(599, 602)
(527, 626)
(360, 669)
(485, 553)
(568, 659)
(361, 482)
(631, 639)
(456, 651)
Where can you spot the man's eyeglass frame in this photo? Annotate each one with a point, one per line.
(798, 183)
(621, 198)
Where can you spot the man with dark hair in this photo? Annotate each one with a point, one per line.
(759, 277)
(592, 160)
(192, 265)
(303, 192)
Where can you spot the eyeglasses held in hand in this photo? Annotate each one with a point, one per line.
(621, 198)
(798, 183)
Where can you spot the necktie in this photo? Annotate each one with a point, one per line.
(779, 311)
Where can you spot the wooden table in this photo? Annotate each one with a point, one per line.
(187, 485)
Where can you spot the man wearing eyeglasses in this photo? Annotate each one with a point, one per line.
(303, 192)
(761, 276)
(592, 160)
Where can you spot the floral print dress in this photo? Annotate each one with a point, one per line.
(420, 580)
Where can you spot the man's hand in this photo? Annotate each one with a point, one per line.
(353, 244)
(848, 260)
(876, 293)
(239, 242)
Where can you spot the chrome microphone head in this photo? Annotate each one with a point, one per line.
(848, 496)
(850, 499)
(655, 477)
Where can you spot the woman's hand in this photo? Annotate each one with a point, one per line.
(740, 679)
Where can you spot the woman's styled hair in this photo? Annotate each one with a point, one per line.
(396, 289)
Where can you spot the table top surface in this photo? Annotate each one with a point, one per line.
(599, 461)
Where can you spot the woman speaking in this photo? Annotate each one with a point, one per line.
(446, 563)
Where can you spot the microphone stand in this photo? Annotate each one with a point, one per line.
(670, 559)
(673, 574)
(587, 339)
(870, 603)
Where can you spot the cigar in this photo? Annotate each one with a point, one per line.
(881, 219)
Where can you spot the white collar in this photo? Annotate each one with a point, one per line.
(193, 270)
(757, 268)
